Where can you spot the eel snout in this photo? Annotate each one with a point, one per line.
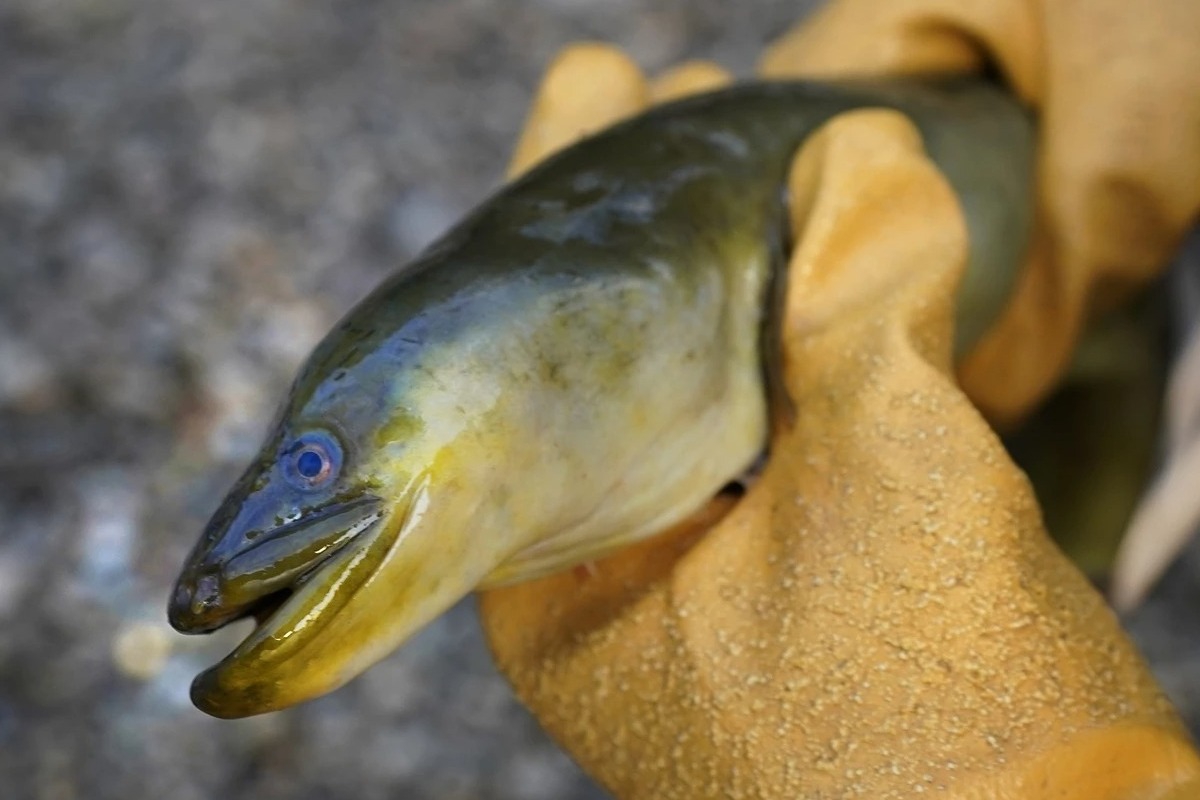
(219, 587)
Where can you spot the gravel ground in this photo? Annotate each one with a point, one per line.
(190, 194)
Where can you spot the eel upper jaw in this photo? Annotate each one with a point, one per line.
(212, 593)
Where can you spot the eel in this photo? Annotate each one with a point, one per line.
(583, 361)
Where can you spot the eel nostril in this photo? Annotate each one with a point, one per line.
(205, 597)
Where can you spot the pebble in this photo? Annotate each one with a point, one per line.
(140, 649)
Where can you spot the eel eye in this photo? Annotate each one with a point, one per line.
(313, 460)
(311, 464)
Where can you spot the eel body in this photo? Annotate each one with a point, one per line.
(575, 366)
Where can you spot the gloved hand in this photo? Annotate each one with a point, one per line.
(882, 614)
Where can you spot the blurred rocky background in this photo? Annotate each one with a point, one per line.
(190, 194)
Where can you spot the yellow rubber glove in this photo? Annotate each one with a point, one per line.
(882, 615)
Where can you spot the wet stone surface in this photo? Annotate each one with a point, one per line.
(190, 194)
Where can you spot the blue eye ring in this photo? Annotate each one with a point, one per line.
(313, 460)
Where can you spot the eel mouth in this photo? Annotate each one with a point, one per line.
(293, 580)
(260, 579)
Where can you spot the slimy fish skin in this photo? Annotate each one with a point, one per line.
(575, 366)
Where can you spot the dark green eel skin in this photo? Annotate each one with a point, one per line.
(575, 366)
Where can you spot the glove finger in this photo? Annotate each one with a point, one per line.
(690, 77)
(852, 38)
(589, 86)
